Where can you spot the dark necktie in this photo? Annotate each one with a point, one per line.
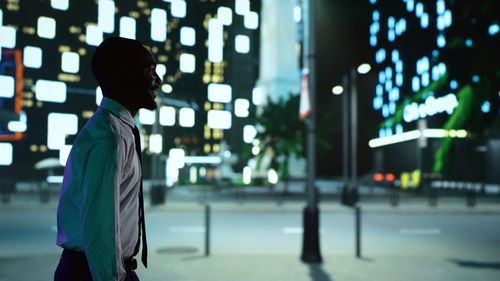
(142, 223)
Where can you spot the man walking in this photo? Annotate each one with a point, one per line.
(100, 216)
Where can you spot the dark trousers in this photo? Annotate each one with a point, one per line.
(73, 266)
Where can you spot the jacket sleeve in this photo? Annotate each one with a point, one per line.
(100, 212)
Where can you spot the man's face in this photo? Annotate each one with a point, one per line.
(148, 82)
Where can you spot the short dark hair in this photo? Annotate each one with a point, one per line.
(115, 54)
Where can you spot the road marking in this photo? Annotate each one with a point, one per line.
(187, 229)
(420, 231)
(297, 230)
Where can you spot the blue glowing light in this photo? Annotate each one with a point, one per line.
(373, 40)
(399, 129)
(394, 94)
(400, 27)
(419, 9)
(388, 85)
(381, 77)
(424, 20)
(385, 110)
(380, 56)
(388, 131)
(475, 78)
(447, 18)
(391, 35)
(392, 108)
(486, 107)
(468, 42)
(441, 41)
(377, 103)
(399, 66)
(379, 90)
(415, 84)
(391, 22)
(376, 15)
(388, 72)
(440, 24)
(410, 5)
(395, 56)
(373, 2)
(453, 84)
(381, 133)
(440, 7)
(425, 79)
(435, 53)
(493, 29)
(399, 79)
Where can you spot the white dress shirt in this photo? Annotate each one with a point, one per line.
(98, 211)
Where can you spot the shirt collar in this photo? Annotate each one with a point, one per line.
(118, 110)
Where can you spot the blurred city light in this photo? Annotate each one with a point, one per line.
(337, 90)
(272, 176)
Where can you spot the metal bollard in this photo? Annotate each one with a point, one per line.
(207, 230)
(357, 209)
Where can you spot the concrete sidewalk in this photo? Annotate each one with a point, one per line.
(193, 267)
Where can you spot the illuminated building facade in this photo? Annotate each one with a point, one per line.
(207, 54)
(436, 89)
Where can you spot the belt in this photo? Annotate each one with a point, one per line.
(130, 263)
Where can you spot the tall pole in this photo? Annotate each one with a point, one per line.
(345, 136)
(354, 133)
(310, 246)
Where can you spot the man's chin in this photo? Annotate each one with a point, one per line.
(150, 105)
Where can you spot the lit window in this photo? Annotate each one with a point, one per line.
(188, 36)
(6, 150)
(242, 44)
(225, 15)
(70, 62)
(177, 157)
(158, 25)
(60, 125)
(7, 37)
(60, 4)
(178, 8)
(32, 57)
(187, 63)
(155, 143)
(50, 91)
(251, 20)
(219, 119)
(219, 93)
(241, 107)
(106, 15)
(94, 35)
(46, 27)
(242, 7)
(186, 117)
(146, 117)
(1, 17)
(249, 133)
(215, 40)
(167, 116)
(7, 86)
(297, 13)
(127, 27)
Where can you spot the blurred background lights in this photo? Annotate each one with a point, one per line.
(364, 68)
(70, 62)
(59, 4)
(225, 15)
(297, 13)
(215, 40)
(7, 37)
(50, 91)
(7, 86)
(187, 63)
(32, 57)
(493, 29)
(242, 44)
(94, 35)
(155, 143)
(188, 36)
(247, 175)
(257, 96)
(127, 27)
(59, 126)
(242, 7)
(177, 156)
(106, 15)
(219, 119)
(219, 93)
(186, 117)
(167, 88)
(337, 90)
(161, 70)
(46, 27)
(178, 8)
(158, 25)
(249, 133)
(486, 107)
(251, 20)
(146, 117)
(272, 176)
(241, 107)
(6, 150)
(167, 116)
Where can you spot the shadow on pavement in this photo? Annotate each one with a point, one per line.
(477, 264)
(317, 273)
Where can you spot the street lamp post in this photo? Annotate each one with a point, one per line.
(310, 246)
